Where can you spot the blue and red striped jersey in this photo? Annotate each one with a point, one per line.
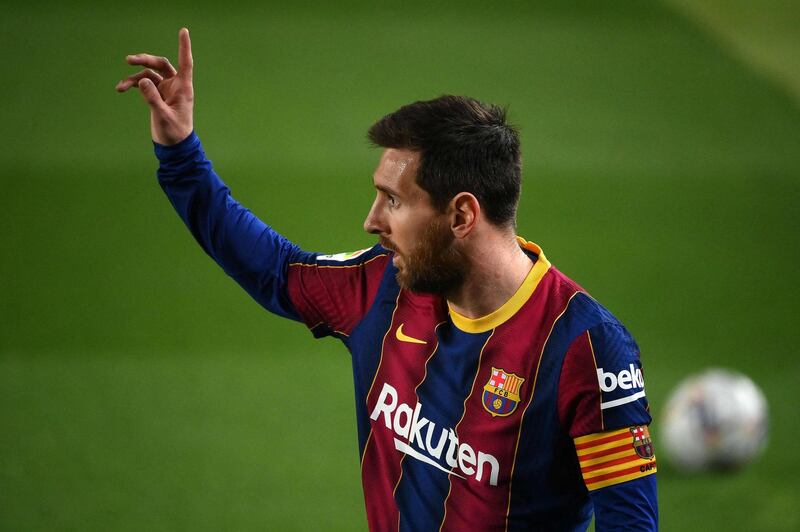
(530, 418)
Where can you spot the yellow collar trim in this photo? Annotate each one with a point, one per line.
(515, 302)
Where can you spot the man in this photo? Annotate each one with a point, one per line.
(492, 393)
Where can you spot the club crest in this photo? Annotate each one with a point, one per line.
(501, 393)
(642, 443)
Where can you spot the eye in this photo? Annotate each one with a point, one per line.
(393, 201)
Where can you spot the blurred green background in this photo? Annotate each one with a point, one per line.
(139, 386)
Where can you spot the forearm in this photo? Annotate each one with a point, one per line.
(245, 247)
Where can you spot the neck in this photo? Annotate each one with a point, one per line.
(497, 269)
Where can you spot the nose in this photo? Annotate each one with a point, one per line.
(373, 223)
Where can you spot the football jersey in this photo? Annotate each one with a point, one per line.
(528, 418)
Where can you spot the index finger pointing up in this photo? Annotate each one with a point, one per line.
(185, 62)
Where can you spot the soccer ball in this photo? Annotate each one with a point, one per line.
(714, 420)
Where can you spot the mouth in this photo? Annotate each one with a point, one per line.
(396, 258)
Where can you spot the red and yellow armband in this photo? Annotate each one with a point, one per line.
(608, 458)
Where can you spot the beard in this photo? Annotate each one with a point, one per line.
(435, 265)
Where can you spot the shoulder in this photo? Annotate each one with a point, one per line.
(580, 311)
(604, 347)
(601, 384)
(599, 330)
(333, 293)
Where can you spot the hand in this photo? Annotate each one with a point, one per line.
(168, 93)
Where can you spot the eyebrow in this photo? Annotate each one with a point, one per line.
(387, 190)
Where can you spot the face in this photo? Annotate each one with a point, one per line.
(404, 218)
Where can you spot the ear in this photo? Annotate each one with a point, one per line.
(465, 213)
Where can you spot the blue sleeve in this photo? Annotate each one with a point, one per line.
(629, 506)
(620, 377)
(247, 249)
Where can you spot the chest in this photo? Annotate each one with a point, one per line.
(451, 398)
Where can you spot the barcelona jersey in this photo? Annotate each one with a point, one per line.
(533, 417)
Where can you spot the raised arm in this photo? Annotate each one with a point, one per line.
(247, 249)
(275, 272)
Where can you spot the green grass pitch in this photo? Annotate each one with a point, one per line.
(140, 389)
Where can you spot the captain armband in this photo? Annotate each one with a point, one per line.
(613, 457)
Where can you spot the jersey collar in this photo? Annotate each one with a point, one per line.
(515, 302)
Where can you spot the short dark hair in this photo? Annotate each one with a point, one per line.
(465, 146)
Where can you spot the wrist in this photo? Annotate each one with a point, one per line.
(178, 150)
(169, 138)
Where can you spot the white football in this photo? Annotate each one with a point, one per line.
(713, 420)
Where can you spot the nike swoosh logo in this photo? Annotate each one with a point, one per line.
(405, 338)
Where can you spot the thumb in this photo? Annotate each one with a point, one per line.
(151, 95)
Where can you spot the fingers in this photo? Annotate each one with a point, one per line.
(159, 64)
(185, 62)
(151, 95)
(133, 80)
